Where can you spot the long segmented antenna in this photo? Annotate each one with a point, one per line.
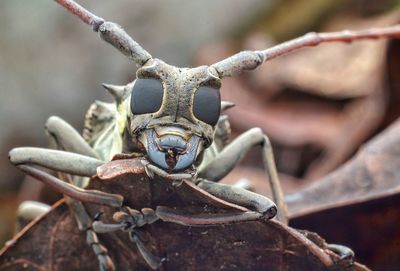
(249, 60)
(110, 32)
(233, 65)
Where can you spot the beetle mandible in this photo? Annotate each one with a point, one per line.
(172, 116)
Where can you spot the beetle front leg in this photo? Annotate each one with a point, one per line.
(240, 196)
(346, 254)
(77, 159)
(67, 162)
(227, 159)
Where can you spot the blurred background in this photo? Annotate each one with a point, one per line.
(318, 106)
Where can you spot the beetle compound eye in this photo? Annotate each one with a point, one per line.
(207, 105)
(147, 96)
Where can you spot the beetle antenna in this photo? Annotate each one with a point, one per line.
(110, 32)
(249, 60)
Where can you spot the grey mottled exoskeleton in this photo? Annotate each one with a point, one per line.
(173, 117)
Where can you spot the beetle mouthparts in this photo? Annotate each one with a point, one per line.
(171, 152)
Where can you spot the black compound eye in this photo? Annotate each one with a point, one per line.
(207, 105)
(147, 96)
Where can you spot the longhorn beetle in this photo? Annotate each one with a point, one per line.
(172, 117)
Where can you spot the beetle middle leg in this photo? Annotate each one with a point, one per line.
(227, 159)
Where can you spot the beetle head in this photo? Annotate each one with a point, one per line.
(174, 112)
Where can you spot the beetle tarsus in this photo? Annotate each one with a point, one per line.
(101, 252)
(128, 220)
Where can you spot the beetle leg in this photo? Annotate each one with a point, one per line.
(67, 138)
(79, 212)
(132, 218)
(346, 254)
(227, 159)
(153, 261)
(151, 170)
(137, 218)
(129, 220)
(168, 214)
(64, 137)
(240, 196)
(106, 264)
(31, 209)
(64, 162)
(57, 160)
(77, 159)
(89, 196)
(74, 196)
(100, 227)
